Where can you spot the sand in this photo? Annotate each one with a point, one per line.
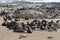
(6, 34)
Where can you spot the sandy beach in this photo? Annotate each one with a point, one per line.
(6, 34)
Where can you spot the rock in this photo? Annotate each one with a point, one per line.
(22, 36)
(50, 37)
